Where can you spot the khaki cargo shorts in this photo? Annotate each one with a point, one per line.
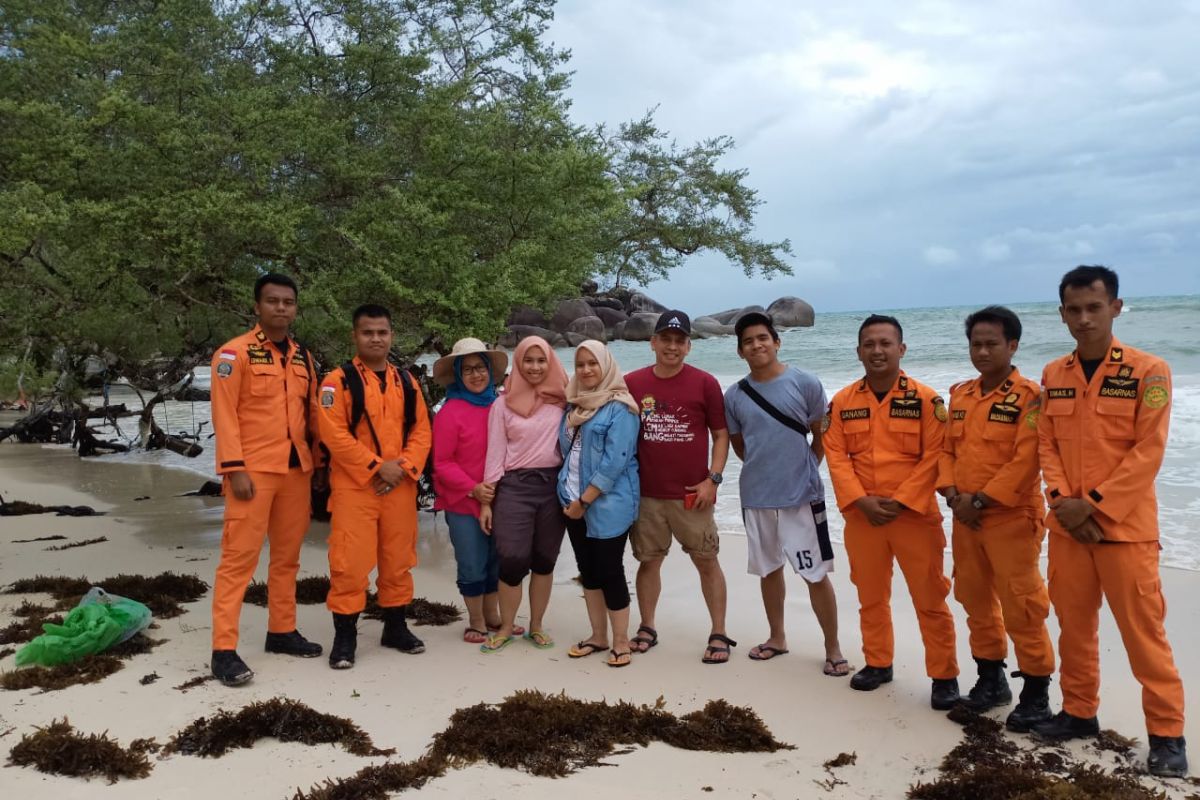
(658, 520)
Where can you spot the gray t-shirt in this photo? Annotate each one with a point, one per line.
(780, 469)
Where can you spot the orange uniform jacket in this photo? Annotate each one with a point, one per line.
(887, 448)
(992, 442)
(1104, 441)
(261, 406)
(353, 456)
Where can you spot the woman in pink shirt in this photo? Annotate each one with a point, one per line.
(469, 374)
(522, 464)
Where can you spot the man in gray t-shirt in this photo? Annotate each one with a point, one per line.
(770, 414)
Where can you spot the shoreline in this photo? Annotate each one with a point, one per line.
(401, 701)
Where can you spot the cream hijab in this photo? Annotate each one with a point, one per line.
(585, 403)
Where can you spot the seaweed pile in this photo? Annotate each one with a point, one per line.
(162, 593)
(313, 590)
(58, 749)
(19, 508)
(32, 617)
(280, 718)
(79, 543)
(987, 765)
(555, 735)
(86, 670)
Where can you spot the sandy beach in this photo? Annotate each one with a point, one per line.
(401, 700)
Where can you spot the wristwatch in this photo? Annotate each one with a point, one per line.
(716, 478)
(977, 503)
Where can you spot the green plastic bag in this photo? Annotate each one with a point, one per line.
(96, 624)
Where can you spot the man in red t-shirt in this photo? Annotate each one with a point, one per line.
(680, 407)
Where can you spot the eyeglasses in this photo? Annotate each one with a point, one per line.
(479, 369)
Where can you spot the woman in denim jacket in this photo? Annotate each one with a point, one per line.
(598, 489)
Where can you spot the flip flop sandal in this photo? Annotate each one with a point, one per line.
(640, 640)
(474, 636)
(712, 650)
(616, 659)
(585, 649)
(831, 667)
(539, 639)
(765, 652)
(517, 630)
(495, 644)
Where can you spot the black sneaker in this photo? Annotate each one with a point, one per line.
(868, 679)
(292, 644)
(228, 667)
(1063, 726)
(944, 695)
(1168, 757)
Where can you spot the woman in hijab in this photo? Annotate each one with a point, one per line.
(469, 374)
(598, 489)
(522, 464)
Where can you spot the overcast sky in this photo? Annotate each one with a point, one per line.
(925, 153)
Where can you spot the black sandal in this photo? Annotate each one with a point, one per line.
(712, 650)
(640, 640)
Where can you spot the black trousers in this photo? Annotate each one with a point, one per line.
(601, 563)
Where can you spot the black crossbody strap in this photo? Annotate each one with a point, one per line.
(796, 425)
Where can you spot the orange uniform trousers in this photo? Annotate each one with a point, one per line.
(369, 530)
(1126, 575)
(996, 579)
(279, 512)
(915, 542)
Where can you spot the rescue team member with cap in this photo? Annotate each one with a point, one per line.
(883, 440)
(1102, 432)
(263, 410)
(680, 407)
(989, 476)
(374, 469)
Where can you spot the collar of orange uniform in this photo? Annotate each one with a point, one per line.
(902, 384)
(365, 370)
(1005, 387)
(257, 333)
(1116, 353)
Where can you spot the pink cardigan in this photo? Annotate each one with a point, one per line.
(459, 447)
(516, 442)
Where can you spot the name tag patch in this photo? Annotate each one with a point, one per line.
(958, 414)
(1060, 394)
(855, 413)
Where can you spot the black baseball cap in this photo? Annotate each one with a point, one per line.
(674, 321)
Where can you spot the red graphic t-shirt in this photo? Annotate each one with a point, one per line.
(677, 414)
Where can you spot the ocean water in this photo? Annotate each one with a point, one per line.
(937, 355)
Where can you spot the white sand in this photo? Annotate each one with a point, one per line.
(403, 700)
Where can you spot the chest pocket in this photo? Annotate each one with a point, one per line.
(1061, 411)
(298, 381)
(264, 379)
(858, 435)
(998, 438)
(597, 436)
(1116, 418)
(908, 435)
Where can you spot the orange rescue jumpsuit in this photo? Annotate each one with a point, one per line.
(262, 404)
(1103, 441)
(890, 448)
(367, 529)
(991, 447)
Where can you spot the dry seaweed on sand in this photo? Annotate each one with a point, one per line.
(58, 537)
(554, 735)
(23, 630)
(162, 593)
(20, 508)
(80, 543)
(841, 760)
(280, 718)
(987, 765)
(310, 591)
(199, 680)
(60, 750)
(7, 651)
(313, 590)
(28, 609)
(86, 670)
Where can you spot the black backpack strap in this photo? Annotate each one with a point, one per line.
(408, 386)
(353, 383)
(796, 425)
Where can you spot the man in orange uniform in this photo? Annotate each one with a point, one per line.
(883, 439)
(374, 468)
(1102, 433)
(989, 476)
(263, 397)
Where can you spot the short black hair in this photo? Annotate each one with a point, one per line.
(1083, 276)
(372, 310)
(276, 278)
(1002, 316)
(881, 319)
(752, 319)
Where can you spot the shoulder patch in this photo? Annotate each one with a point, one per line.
(939, 409)
(328, 395)
(224, 369)
(1156, 396)
(1031, 419)
(826, 421)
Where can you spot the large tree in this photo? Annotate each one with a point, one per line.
(158, 155)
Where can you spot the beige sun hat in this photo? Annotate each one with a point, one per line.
(443, 368)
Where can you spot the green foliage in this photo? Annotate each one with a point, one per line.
(156, 156)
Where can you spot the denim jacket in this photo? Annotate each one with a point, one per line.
(608, 461)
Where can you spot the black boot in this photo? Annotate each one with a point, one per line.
(944, 694)
(396, 633)
(868, 679)
(991, 689)
(1168, 757)
(1033, 707)
(1063, 726)
(292, 644)
(345, 641)
(228, 667)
